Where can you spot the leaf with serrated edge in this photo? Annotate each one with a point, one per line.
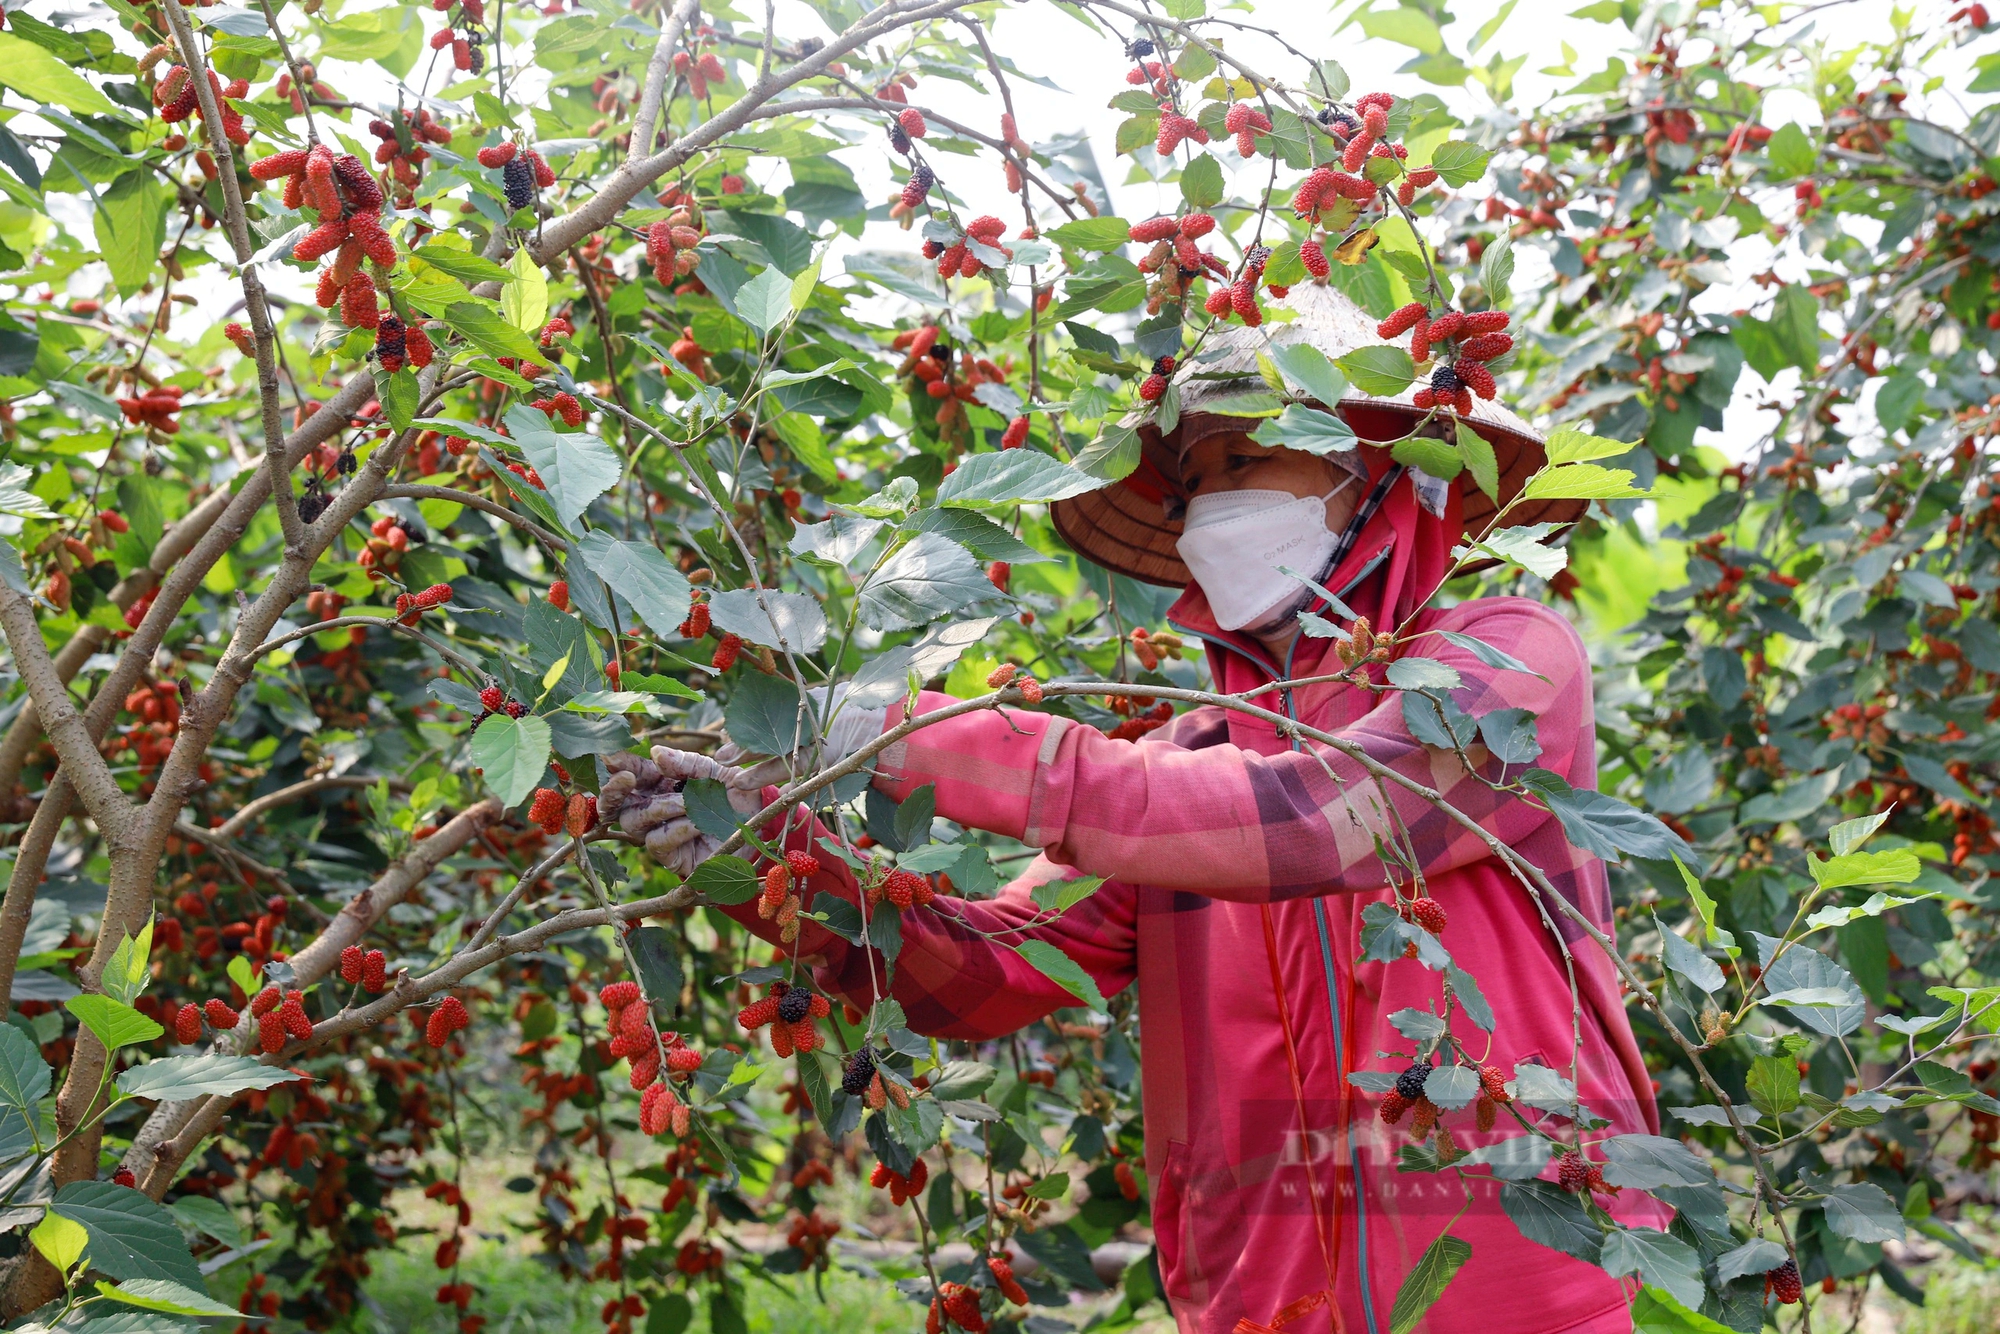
(1426, 1281)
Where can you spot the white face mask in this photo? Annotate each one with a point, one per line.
(1234, 541)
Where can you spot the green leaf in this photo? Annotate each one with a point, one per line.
(1527, 547)
(1496, 270)
(658, 962)
(131, 226)
(115, 1023)
(130, 1236)
(211, 1217)
(766, 715)
(1773, 1083)
(1064, 971)
(60, 1241)
(1013, 476)
(1566, 444)
(1582, 481)
(1756, 1256)
(725, 880)
(1428, 455)
(1865, 868)
(1201, 182)
(1547, 1214)
(576, 466)
(1379, 369)
(765, 302)
(1405, 27)
(1862, 1211)
(1308, 429)
(39, 76)
(1096, 234)
(514, 752)
(1662, 1261)
(489, 331)
(128, 970)
(928, 577)
(174, 1077)
(1480, 461)
(1656, 1312)
(399, 396)
(463, 265)
(1306, 367)
(24, 1075)
(165, 1295)
(1426, 1281)
(1848, 835)
(1058, 896)
(1790, 153)
(640, 574)
(1648, 1162)
(1459, 163)
(525, 301)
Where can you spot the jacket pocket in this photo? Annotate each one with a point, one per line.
(1170, 1223)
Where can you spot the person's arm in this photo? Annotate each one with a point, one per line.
(953, 978)
(1234, 824)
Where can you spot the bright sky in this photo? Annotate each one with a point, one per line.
(1089, 69)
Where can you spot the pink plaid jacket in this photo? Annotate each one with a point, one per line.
(1238, 870)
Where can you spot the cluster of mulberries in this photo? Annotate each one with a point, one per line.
(402, 149)
(563, 405)
(780, 900)
(1475, 338)
(1175, 260)
(1577, 1174)
(904, 889)
(1239, 298)
(634, 1038)
(522, 172)
(410, 607)
(178, 96)
(670, 245)
(449, 1017)
(154, 408)
(953, 380)
(901, 1188)
(575, 815)
(862, 1078)
(1246, 122)
(281, 1017)
(958, 1301)
(960, 258)
(495, 700)
(789, 1011)
(1007, 674)
(367, 969)
(700, 71)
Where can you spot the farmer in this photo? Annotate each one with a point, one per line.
(1239, 864)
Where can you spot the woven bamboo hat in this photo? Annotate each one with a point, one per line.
(1125, 526)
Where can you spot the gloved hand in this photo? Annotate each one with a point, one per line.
(644, 795)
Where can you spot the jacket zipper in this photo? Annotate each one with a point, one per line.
(1327, 960)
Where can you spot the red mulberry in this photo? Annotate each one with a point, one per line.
(187, 1024)
(446, 1019)
(547, 810)
(1401, 320)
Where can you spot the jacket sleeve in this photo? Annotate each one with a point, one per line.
(957, 974)
(1235, 824)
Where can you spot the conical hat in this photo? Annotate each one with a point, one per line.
(1124, 527)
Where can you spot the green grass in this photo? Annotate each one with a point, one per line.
(518, 1296)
